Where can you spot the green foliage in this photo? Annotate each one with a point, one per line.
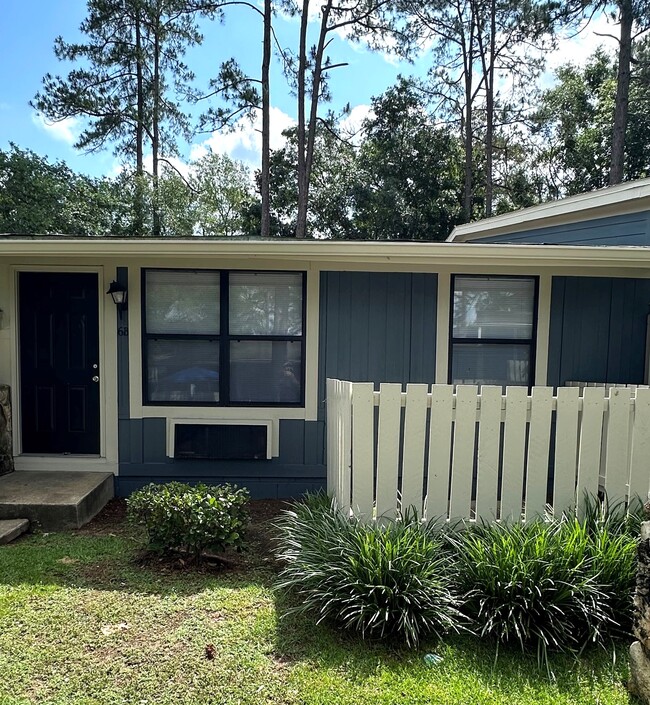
(410, 184)
(549, 585)
(195, 519)
(40, 197)
(379, 579)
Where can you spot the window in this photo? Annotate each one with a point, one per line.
(493, 330)
(223, 337)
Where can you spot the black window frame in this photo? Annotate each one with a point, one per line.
(531, 342)
(224, 338)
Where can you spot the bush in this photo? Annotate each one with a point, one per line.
(178, 516)
(380, 580)
(556, 585)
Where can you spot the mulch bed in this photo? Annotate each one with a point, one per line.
(112, 521)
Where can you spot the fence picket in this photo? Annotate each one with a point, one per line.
(591, 430)
(566, 449)
(617, 456)
(388, 441)
(463, 458)
(539, 440)
(640, 454)
(363, 457)
(489, 437)
(345, 446)
(599, 444)
(439, 451)
(415, 421)
(514, 443)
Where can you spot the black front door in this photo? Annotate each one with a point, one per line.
(59, 363)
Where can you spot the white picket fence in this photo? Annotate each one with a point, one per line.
(467, 452)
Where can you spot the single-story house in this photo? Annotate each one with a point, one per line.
(214, 368)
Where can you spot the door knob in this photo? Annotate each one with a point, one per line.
(95, 378)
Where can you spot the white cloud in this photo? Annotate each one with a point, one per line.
(352, 123)
(577, 47)
(244, 142)
(63, 130)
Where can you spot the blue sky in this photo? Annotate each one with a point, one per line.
(27, 35)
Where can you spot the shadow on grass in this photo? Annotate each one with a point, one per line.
(118, 562)
(467, 661)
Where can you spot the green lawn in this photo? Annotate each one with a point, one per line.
(81, 621)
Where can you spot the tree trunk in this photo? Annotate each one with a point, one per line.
(266, 123)
(622, 93)
(303, 184)
(138, 220)
(489, 105)
(155, 119)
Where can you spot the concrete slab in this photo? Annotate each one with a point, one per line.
(11, 529)
(55, 500)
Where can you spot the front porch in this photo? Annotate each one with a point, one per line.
(54, 500)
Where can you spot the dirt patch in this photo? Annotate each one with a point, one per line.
(112, 521)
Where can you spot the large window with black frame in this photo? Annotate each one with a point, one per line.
(220, 337)
(492, 338)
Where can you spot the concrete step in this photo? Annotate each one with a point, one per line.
(11, 529)
(55, 500)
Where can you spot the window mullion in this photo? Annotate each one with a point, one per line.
(224, 347)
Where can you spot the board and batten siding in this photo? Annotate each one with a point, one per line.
(598, 330)
(143, 458)
(377, 327)
(628, 229)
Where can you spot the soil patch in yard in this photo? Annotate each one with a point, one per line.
(112, 521)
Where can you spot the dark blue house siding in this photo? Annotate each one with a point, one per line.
(598, 330)
(298, 469)
(373, 327)
(377, 327)
(629, 229)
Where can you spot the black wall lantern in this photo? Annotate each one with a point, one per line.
(119, 295)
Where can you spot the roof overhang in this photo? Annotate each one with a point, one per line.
(630, 197)
(431, 254)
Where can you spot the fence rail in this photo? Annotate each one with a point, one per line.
(467, 452)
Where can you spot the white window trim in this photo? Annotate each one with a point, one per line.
(308, 412)
(272, 431)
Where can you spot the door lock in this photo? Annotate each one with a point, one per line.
(95, 378)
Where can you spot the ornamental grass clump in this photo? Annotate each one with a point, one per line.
(191, 519)
(522, 584)
(555, 585)
(381, 580)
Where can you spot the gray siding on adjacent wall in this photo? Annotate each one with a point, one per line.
(377, 327)
(373, 327)
(598, 330)
(629, 229)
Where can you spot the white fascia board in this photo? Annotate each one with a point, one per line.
(322, 253)
(630, 197)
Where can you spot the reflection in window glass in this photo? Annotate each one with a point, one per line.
(492, 330)
(265, 371)
(493, 307)
(491, 364)
(183, 370)
(265, 303)
(182, 302)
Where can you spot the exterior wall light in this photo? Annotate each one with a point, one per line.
(118, 293)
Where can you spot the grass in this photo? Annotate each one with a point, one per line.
(81, 622)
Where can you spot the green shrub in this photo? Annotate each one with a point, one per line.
(606, 535)
(522, 583)
(380, 580)
(549, 585)
(178, 516)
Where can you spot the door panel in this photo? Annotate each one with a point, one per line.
(59, 347)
